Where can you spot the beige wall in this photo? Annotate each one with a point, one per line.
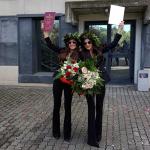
(14, 7)
(78, 0)
(8, 74)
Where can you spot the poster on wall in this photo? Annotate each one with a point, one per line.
(116, 14)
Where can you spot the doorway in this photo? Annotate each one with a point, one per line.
(119, 62)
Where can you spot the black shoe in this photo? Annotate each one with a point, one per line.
(56, 135)
(95, 144)
(98, 138)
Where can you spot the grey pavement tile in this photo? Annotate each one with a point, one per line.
(146, 147)
(26, 120)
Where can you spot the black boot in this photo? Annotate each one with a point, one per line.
(98, 138)
(56, 135)
(67, 139)
(95, 144)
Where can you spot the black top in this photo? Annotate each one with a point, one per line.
(62, 52)
(99, 51)
(52, 46)
(85, 54)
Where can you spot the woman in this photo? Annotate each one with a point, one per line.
(89, 43)
(71, 49)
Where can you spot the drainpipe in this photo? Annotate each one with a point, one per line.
(142, 47)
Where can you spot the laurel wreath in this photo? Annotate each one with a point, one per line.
(70, 36)
(91, 36)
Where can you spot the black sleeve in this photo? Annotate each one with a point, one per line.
(80, 56)
(51, 45)
(113, 43)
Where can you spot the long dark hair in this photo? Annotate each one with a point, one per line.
(65, 52)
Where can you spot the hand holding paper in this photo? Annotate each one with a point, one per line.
(45, 33)
(48, 22)
(116, 14)
(121, 25)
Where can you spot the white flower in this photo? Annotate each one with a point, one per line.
(80, 79)
(76, 65)
(65, 62)
(84, 86)
(87, 85)
(92, 81)
(90, 86)
(84, 70)
(87, 76)
(69, 70)
(95, 75)
(63, 68)
(64, 65)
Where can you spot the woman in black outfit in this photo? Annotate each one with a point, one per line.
(71, 49)
(95, 111)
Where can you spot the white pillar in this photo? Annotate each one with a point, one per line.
(137, 61)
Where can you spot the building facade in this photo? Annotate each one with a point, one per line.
(23, 54)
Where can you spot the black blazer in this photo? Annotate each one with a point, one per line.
(99, 51)
(85, 54)
(62, 52)
(56, 49)
(52, 46)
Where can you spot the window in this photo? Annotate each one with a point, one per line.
(47, 58)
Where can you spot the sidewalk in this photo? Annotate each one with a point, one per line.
(26, 119)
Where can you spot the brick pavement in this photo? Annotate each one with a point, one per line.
(26, 115)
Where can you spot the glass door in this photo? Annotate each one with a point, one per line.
(119, 62)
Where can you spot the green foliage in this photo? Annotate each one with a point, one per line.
(125, 36)
(92, 36)
(71, 36)
(54, 33)
(89, 63)
(101, 33)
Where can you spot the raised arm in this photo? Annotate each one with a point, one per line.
(49, 42)
(114, 43)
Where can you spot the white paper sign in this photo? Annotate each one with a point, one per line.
(116, 14)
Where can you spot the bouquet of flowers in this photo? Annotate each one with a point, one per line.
(88, 79)
(68, 71)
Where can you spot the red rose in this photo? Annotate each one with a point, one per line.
(68, 74)
(68, 67)
(75, 69)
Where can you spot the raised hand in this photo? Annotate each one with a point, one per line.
(45, 33)
(120, 27)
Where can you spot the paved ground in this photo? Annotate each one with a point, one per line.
(26, 115)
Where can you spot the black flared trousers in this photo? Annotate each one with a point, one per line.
(58, 88)
(95, 113)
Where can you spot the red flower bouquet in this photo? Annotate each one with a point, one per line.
(67, 71)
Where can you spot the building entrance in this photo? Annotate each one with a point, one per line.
(119, 61)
